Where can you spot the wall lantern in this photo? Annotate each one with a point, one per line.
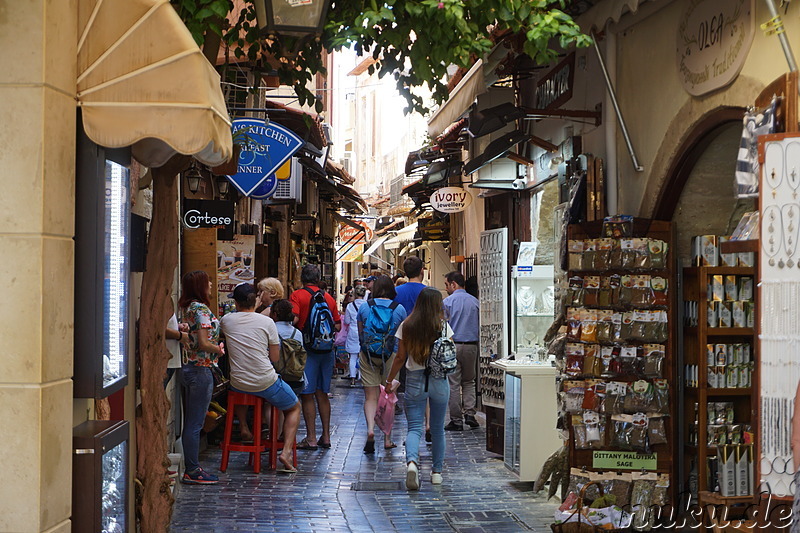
(193, 178)
(222, 185)
(291, 17)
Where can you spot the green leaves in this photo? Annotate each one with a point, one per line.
(413, 40)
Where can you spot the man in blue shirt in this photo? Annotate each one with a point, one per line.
(463, 313)
(407, 292)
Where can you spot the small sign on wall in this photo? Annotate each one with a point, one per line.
(714, 38)
(451, 199)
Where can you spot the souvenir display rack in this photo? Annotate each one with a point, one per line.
(720, 408)
(493, 283)
(778, 292)
(622, 359)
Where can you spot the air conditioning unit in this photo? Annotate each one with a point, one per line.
(349, 162)
(291, 189)
(309, 206)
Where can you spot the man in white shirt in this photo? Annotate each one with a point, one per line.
(253, 346)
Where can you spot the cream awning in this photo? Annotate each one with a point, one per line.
(607, 11)
(375, 245)
(462, 96)
(404, 235)
(143, 81)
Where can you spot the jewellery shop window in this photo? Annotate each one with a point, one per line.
(533, 288)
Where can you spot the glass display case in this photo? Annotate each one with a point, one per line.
(533, 307)
(513, 413)
(101, 476)
(102, 269)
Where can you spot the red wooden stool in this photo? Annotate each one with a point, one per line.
(274, 444)
(255, 449)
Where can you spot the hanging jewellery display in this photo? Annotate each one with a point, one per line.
(772, 235)
(779, 339)
(789, 222)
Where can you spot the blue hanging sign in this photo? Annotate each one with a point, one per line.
(264, 150)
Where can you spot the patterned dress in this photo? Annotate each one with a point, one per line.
(199, 316)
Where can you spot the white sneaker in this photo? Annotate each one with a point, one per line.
(436, 478)
(412, 476)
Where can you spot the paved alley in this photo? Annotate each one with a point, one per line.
(341, 489)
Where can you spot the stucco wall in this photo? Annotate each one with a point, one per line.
(658, 110)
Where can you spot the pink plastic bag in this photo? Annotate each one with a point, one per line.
(384, 416)
(341, 336)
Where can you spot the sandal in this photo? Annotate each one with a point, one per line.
(390, 446)
(304, 445)
(369, 447)
(324, 445)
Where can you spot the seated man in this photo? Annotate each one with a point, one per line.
(253, 345)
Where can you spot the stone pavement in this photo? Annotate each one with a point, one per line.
(478, 495)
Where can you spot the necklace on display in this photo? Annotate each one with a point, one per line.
(789, 215)
(526, 299)
(774, 232)
(792, 157)
(775, 176)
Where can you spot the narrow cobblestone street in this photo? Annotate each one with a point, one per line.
(478, 494)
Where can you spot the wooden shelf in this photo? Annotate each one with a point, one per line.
(728, 332)
(729, 392)
(732, 247)
(717, 498)
(727, 271)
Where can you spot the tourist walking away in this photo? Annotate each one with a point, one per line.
(292, 364)
(347, 298)
(463, 314)
(378, 321)
(318, 318)
(353, 344)
(198, 382)
(407, 292)
(269, 290)
(368, 282)
(253, 347)
(428, 354)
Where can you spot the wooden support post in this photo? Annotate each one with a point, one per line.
(154, 506)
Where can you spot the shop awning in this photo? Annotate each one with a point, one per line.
(607, 11)
(375, 245)
(464, 94)
(143, 81)
(404, 235)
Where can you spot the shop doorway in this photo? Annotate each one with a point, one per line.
(698, 194)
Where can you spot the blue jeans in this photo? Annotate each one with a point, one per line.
(198, 384)
(416, 398)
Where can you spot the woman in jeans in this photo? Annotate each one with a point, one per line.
(424, 325)
(352, 344)
(198, 383)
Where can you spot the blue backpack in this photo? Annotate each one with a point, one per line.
(378, 336)
(318, 333)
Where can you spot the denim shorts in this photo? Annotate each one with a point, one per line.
(278, 394)
(319, 372)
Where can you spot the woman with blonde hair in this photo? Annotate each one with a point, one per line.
(417, 333)
(269, 290)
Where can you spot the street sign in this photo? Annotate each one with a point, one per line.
(264, 150)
